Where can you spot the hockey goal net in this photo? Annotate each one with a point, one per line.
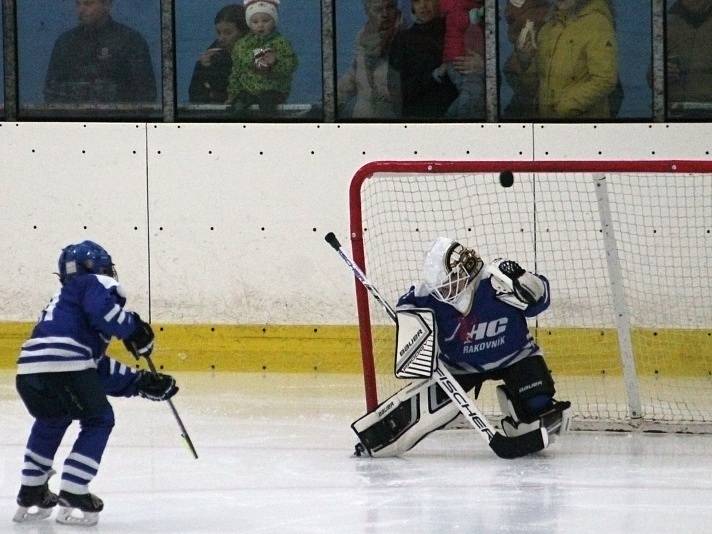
(627, 247)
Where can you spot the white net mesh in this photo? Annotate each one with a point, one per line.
(550, 223)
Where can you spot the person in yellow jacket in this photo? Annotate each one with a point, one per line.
(574, 60)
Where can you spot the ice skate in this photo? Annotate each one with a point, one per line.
(35, 502)
(79, 509)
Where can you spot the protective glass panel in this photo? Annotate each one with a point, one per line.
(575, 60)
(89, 58)
(688, 63)
(409, 60)
(2, 69)
(225, 71)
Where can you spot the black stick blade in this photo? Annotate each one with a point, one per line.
(518, 446)
(331, 239)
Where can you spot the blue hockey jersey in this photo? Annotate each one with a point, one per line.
(491, 334)
(74, 330)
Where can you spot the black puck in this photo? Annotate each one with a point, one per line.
(506, 178)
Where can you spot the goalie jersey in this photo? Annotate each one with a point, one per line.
(489, 333)
(74, 330)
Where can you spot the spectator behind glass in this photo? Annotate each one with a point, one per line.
(689, 58)
(366, 91)
(212, 70)
(524, 20)
(263, 62)
(575, 61)
(100, 61)
(415, 55)
(459, 31)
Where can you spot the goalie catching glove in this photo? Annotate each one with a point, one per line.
(155, 386)
(527, 287)
(140, 342)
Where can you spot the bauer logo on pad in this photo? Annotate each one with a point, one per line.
(415, 343)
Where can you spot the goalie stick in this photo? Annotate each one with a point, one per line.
(503, 446)
(184, 432)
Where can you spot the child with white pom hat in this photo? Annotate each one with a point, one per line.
(263, 61)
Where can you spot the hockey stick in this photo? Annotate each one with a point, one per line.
(184, 432)
(503, 446)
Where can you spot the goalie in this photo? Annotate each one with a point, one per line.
(476, 315)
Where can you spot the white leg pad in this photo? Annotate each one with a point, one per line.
(512, 428)
(505, 404)
(403, 420)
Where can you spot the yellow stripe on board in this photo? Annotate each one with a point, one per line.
(248, 348)
(12, 335)
(663, 352)
(591, 352)
(336, 349)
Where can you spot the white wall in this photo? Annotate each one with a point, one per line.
(268, 191)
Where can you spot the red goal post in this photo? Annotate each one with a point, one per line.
(624, 243)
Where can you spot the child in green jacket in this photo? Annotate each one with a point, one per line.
(263, 62)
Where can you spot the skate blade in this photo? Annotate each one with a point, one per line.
(25, 514)
(74, 516)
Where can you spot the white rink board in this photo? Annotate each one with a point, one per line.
(270, 201)
(62, 183)
(591, 142)
(237, 272)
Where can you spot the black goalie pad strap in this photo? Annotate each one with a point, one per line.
(528, 378)
(525, 380)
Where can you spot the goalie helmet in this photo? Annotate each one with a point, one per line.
(86, 257)
(449, 268)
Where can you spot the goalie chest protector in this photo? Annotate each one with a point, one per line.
(492, 334)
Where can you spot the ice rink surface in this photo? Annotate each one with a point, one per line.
(275, 457)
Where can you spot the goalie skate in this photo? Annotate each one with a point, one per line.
(80, 510)
(35, 502)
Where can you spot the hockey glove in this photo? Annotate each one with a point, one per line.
(155, 387)
(140, 342)
(527, 287)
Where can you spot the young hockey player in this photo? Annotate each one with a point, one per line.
(64, 374)
(482, 334)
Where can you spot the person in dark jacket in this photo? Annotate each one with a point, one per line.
(689, 63)
(100, 61)
(212, 70)
(415, 55)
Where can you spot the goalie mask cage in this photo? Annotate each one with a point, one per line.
(625, 245)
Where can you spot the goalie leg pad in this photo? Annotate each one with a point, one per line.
(527, 399)
(404, 419)
(530, 387)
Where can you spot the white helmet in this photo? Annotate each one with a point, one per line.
(449, 268)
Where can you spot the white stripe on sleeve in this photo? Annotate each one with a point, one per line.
(113, 312)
